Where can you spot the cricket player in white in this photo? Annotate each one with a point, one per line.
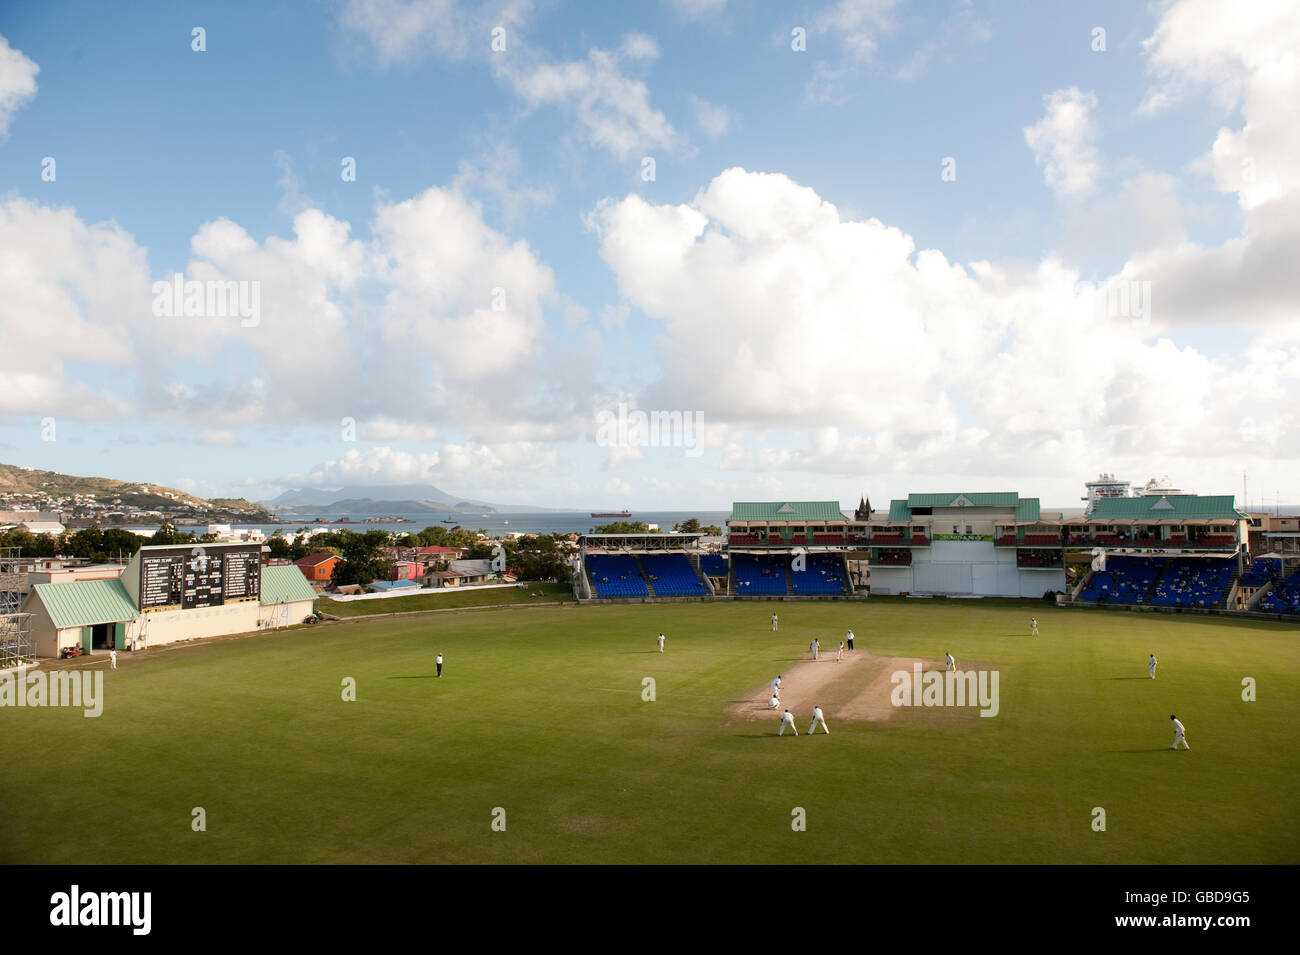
(815, 647)
(776, 685)
(840, 652)
(1033, 627)
(949, 662)
(787, 719)
(774, 702)
(1180, 733)
(818, 717)
(773, 623)
(112, 658)
(661, 643)
(1151, 666)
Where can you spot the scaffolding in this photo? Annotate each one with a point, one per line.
(16, 645)
(11, 580)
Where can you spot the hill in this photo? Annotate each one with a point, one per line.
(23, 488)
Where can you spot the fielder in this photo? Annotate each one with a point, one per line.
(774, 623)
(1033, 627)
(661, 643)
(840, 652)
(787, 719)
(816, 645)
(948, 661)
(818, 717)
(112, 659)
(1151, 667)
(774, 702)
(1180, 733)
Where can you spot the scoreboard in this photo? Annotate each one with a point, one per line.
(201, 575)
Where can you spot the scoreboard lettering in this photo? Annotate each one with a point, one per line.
(200, 576)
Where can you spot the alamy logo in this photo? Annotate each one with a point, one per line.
(103, 908)
(61, 688)
(950, 688)
(659, 429)
(210, 299)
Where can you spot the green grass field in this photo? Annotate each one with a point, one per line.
(540, 712)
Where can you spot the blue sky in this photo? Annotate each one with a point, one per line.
(729, 286)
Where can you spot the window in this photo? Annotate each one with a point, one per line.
(968, 529)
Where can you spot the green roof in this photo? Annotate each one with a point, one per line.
(285, 584)
(1156, 508)
(973, 499)
(1027, 510)
(786, 511)
(83, 603)
(899, 511)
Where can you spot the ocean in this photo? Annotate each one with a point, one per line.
(565, 522)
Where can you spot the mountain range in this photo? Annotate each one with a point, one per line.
(396, 498)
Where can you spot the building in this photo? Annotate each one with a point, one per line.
(1178, 522)
(996, 544)
(1274, 534)
(167, 594)
(318, 568)
(43, 527)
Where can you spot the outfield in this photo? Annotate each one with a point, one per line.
(540, 712)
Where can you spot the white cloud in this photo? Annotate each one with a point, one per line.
(858, 25)
(391, 429)
(1062, 142)
(713, 121)
(70, 290)
(609, 108)
(882, 356)
(17, 83)
(496, 174)
(1246, 54)
(400, 31)
(371, 466)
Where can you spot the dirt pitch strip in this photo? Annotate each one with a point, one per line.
(855, 689)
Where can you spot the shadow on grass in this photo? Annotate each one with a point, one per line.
(1154, 749)
(420, 676)
(1130, 678)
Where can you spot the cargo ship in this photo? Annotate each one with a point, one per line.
(612, 514)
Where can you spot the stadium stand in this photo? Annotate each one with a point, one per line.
(1193, 583)
(1262, 570)
(1039, 558)
(1126, 580)
(714, 565)
(615, 575)
(821, 575)
(1284, 597)
(900, 558)
(760, 574)
(672, 575)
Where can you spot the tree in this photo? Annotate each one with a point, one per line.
(624, 527)
(363, 562)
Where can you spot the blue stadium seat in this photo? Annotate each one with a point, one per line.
(760, 574)
(614, 575)
(672, 575)
(715, 565)
(821, 576)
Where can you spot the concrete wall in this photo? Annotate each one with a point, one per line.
(966, 567)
